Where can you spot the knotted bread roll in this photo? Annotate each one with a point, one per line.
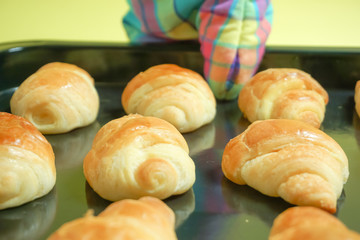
(135, 156)
(290, 159)
(146, 218)
(175, 94)
(310, 223)
(283, 93)
(57, 98)
(27, 162)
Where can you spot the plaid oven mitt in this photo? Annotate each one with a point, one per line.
(232, 34)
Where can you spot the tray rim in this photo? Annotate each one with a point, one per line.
(180, 45)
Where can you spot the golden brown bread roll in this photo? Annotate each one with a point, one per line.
(283, 93)
(290, 159)
(27, 162)
(357, 97)
(146, 218)
(310, 223)
(57, 98)
(135, 156)
(175, 94)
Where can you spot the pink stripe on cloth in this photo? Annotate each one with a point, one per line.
(146, 13)
(262, 5)
(263, 30)
(207, 5)
(206, 48)
(137, 10)
(211, 25)
(221, 7)
(150, 11)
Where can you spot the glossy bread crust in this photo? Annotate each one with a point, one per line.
(298, 223)
(290, 159)
(57, 98)
(175, 94)
(135, 156)
(357, 97)
(27, 162)
(146, 218)
(283, 93)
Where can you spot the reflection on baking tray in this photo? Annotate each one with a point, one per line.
(71, 148)
(94, 201)
(29, 221)
(90, 60)
(245, 199)
(182, 205)
(201, 139)
(228, 116)
(340, 202)
(243, 123)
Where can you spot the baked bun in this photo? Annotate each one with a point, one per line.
(283, 93)
(357, 97)
(310, 223)
(146, 218)
(57, 98)
(290, 159)
(27, 162)
(135, 156)
(175, 94)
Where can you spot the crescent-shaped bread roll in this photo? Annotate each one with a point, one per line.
(310, 223)
(27, 162)
(357, 98)
(57, 98)
(135, 156)
(283, 93)
(290, 159)
(175, 94)
(146, 218)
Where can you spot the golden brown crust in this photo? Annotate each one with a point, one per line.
(146, 218)
(175, 94)
(27, 162)
(357, 97)
(298, 223)
(57, 98)
(283, 93)
(290, 159)
(135, 156)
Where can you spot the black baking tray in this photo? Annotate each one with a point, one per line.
(214, 208)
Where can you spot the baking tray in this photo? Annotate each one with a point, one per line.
(214, 208)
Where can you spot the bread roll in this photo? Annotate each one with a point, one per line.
(357, 97)
(177, 95)
(310, 223)
(146, 218)
(283, 93)
(135, 156)
(27, 162)
(57, 98)
(290, 159)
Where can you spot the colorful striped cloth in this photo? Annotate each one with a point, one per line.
(232, 34)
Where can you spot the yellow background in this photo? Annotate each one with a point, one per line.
(329, 23)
